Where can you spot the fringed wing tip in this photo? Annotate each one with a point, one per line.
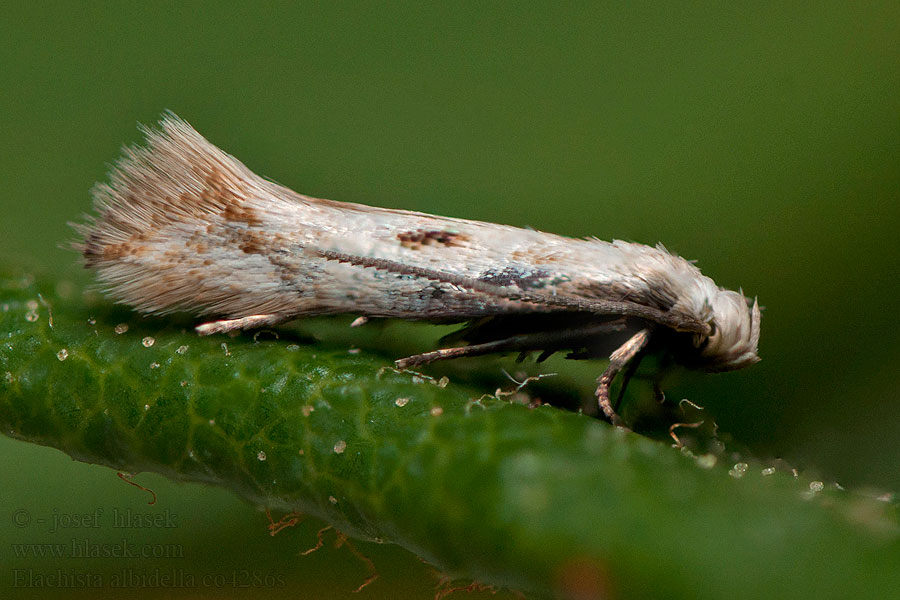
(175, 175)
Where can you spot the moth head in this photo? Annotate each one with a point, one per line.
(734, 333)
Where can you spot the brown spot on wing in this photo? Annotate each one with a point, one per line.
(257, 241)
(418, 238)
(95, 252)
(238, 213)
(253, 242)
(114, 251)
(219, 195)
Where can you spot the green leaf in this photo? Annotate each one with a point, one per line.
(539, 500)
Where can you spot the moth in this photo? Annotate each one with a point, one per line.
(181, 226)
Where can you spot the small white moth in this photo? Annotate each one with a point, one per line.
(183, 226)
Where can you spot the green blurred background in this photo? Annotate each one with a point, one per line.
(762, 140)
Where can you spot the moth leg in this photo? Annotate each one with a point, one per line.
(617, 361)
(524, 342)
(443, 354)
(510, 343)
(232, 324)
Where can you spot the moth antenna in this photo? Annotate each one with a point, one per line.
(603, 307)
(175, 176)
